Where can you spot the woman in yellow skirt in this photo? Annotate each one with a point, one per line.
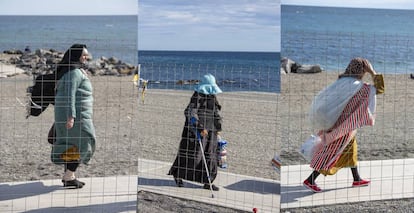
(338, 111)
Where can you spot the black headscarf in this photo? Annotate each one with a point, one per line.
(43, 91)
(70, 60)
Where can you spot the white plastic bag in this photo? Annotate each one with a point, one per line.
(222, 152)
(328, 105)
(309, 147)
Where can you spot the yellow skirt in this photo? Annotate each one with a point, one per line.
(348, 158)
(71, 154)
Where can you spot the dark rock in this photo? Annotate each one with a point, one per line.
(45, 61)
(113, 60)
(186, 82)
(289, 66)
(286, 65)
(309, 69)
(13, 52)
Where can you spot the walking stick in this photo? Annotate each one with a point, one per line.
(204, 159)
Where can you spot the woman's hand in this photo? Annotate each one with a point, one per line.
(69, 123)
(204, 133)
(369, 69)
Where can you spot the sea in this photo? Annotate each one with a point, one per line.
(116, 36)
(332, 36)
(328, 36)
(234, 71)
(109, 36)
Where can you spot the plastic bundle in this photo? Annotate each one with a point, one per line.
(222, 152)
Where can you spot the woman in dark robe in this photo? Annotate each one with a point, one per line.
(203, 119)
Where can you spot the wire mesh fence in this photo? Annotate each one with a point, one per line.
(384, 149)
(30, 182)
(249, 126)
(139, 126)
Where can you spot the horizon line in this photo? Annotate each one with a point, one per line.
(347, 7)
(261, 51)
(68, 14)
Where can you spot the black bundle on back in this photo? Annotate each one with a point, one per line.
(42, 93)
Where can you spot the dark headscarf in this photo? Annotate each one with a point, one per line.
(70, 60)
(43, 91)
(356, 68)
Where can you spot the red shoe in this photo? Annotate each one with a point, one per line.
(313, 188)
(361, 183)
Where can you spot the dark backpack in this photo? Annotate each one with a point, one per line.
(42, 93)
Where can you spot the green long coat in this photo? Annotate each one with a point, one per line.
(74, 98)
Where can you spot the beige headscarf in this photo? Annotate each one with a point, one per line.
(356, 68)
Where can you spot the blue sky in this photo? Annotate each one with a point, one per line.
(383, 4)
(209, 25)
(68, 7)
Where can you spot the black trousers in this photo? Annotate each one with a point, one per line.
(71, 166)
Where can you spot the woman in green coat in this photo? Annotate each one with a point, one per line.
(75, 132)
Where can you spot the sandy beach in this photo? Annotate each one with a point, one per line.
(257, 125)
(390, 137)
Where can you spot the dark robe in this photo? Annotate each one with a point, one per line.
(201, 113)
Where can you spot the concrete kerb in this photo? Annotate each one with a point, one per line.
(49, 195)
(236, 191)
(390, 179)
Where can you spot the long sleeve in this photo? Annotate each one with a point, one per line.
(217, 116)
(70, 82)
(191, 111)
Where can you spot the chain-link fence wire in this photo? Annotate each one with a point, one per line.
(249, 120)
(26, 153)
(391, 55)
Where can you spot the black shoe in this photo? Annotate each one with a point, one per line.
(179, 182)
(214, 187)
(83, 183)
(73, 183)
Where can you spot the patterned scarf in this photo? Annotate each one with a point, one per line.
(356, 68)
